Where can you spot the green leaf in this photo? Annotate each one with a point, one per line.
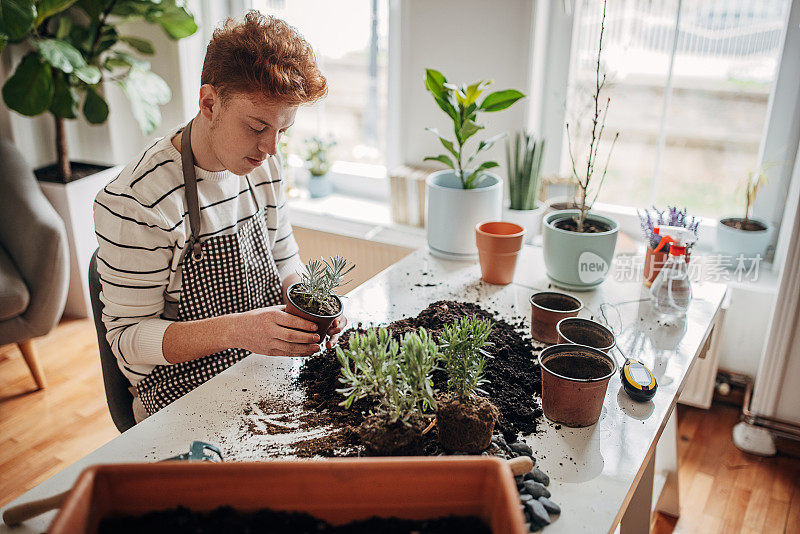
(30, 89)
(64, 27)
(3, 41)
(176, 22)
(485, 145)
(65, 98)
(60, 54)
(48, 8)
(445, 142)
(434, 82)
(88, 74)
(142, 46)
(467, 130)
(442, 158)
(118, 58)
(474, 91)
(500, 100)
(16, 18)
(95, 108)
(146, 91)
(472, 179)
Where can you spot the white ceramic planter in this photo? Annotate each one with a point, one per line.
(574, 260)
(453, 212)
(531, 220)
(732, 242)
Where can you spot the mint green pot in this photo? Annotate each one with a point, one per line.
(577, 261)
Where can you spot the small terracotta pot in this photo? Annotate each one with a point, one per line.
(549, 307)
(580, 331)
(323, 322)
(499, 243)
(653, 262)
(575, 400)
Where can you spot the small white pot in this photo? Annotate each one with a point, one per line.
(732, 242)
(531, 220)
(453, 212)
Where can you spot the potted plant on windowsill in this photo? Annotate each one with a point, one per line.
(465, 194)
(318, 163)
(396, 378)
(672, 216)
(464, 418)
(579, 245)
(524, 160)
(313, 297)
(745, 236)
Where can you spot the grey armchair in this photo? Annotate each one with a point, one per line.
(34, 263)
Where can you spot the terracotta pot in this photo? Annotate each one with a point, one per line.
(465, 426)
(653, 262)
(338, 490)
(323, 322)
(580, 331)
(570, 397)
(499, 243)
(549, 307)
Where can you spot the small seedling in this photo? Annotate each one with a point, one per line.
(462, 352)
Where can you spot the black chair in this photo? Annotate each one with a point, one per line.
(118, 395)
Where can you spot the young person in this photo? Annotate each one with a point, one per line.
(195, 247)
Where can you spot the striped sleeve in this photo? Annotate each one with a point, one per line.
(136, 247)
(285, 250)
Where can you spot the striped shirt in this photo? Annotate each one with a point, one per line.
(142, 226)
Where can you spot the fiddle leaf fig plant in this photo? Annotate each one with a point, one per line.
(73, 46)
(462, 104)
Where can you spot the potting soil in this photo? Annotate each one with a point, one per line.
(578, 366)
(225, 519)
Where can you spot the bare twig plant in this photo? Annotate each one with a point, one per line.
(584, 181)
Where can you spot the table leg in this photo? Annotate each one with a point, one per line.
(637, 516)
(668, 502)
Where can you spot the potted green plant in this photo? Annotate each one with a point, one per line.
(524, 161)
(745, 236)
(75, 47)
(313, 297)
(318, 163)
(465, 419)
(397, 378)
(579, 245)
(465, 194)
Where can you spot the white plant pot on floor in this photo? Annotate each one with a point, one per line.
(453, 212)
(531, 220)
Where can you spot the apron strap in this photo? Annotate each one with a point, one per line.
(190, 181)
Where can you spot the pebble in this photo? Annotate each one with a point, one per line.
(533, 526)
(500, 441)
(540, 476)
(522, 448)
(536, 489)
(525, 497)
(538, 513)
(550, 506)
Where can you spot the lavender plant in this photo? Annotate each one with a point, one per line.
(396, 374)
(462, 351)
(320, 278)
(672, 216)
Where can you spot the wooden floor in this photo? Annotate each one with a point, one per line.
(722, 489)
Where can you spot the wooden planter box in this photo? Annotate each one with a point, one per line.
(338, 491)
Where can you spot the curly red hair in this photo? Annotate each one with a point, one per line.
(263, 55)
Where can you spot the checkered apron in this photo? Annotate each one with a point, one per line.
(221, 275)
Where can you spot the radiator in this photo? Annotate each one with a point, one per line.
(370, 257)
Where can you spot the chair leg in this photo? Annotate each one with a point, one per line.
(32, 359)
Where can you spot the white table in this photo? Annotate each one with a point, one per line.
(601, 475)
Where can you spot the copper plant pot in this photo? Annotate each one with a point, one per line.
(653, 262)
(323, 322)
(580, 331)
(337, 490)
(570, 400)
(547, 308)
(499, 243)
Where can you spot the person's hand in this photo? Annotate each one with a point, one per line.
(274, 332)
(336, 328)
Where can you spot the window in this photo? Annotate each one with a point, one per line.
(690, 113)
(350, 40)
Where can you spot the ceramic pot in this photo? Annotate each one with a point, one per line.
(339, 490)
(579, 331)
(498, 245)
(653, 262)
(319, 186)
(547, 309)
(578, 261)
(531, 220)
(453, 212)
(574, 383)
(748, 243)
(323, 322)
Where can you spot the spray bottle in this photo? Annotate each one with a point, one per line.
(671, 292)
